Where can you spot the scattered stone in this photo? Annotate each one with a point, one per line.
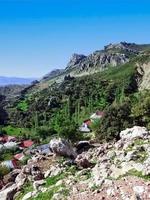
(29, 195)
(138, 190)
(36, 173)
(82, 161)
(37, 184)
(131, 155)
(20, 180)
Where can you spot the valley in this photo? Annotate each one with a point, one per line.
(81, 132)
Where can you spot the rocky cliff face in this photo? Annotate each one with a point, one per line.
(112, 55)
(79, 65)
(144, 73)
(97, 61)
(129, 47)
(75, 60)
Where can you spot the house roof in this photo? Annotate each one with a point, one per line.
(84, 129)
(87, 121)
(10, 164)
(19, 156)
(7, 138)
(26, 143)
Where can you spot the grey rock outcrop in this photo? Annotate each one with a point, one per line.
(97, 61)
(75, 59)
(62, 147)
(8, 193)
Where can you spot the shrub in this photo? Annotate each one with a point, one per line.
(141, 109)
(3, 171)
(117, 118)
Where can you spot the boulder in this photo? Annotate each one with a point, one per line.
(146, 167)
(62, 147)
(26, 170)
(54, 171)
(111, 154)
(8, 193)
(82, 161)
(37, 184)
(20, 180)
(29, 195)
(132, 155)
(2, 148)
(100, 172)
(83, 146)
(36, 173)
(14, 174)
(133, 133)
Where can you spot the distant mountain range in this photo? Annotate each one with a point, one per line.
(15, 81)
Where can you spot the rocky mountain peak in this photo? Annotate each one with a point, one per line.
(75, 59)
(131, 47)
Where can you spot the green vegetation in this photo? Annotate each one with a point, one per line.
(23, 106)
(26, 188)
(134, 172)
(15, 131)
(61, 108)
(3, 171)
(54, 179)
(56, 189)
(50, 185)
(6, 155)
(141, 109)
(65, 107)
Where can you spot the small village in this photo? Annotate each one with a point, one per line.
(22, 150)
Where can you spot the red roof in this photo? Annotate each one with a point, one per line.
(26, 143)
(19, 156)
(88, 122)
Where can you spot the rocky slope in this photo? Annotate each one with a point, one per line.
(108, 171)
(79, 65)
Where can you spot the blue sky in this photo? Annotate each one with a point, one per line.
(37, 36)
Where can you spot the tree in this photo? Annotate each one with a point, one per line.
(141, 109)
(116, 118)
(3, 113)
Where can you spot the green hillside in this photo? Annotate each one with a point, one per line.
(61, 108)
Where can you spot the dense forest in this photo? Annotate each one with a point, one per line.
(61, 108)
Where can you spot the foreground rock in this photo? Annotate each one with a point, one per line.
(62, 147)
(108, 171)
(8, 193)
(135, 132)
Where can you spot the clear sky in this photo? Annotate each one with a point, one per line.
(37, 36)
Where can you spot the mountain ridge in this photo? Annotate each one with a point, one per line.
(80, 65)
(5, 81)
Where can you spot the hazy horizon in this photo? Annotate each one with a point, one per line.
(39, 36)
